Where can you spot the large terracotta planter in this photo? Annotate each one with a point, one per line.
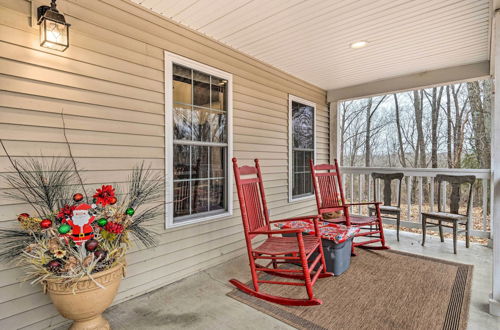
(85, 303)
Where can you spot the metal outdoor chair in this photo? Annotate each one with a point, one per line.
(453, 216)
(387, 209)
(275, 249)
(327, 183)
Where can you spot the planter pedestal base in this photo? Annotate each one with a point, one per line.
(96, 323)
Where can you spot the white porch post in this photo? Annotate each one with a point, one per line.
(334, 131)
(495, 167)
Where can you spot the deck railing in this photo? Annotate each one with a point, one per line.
(418, 193)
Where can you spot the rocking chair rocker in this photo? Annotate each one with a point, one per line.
(327, 183)
(276, 250)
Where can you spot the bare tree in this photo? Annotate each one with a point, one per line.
(441, 126)
(370, 112)
(351, 131)
(449, 128)
(435, 102)
(480, 119)
(459, 126)
(402, 156)
(418, 107)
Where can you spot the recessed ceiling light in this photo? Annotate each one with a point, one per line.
(359, 44)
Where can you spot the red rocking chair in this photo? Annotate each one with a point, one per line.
(327, 182)
(275, 250)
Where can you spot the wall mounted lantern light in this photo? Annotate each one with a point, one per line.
(54, 31)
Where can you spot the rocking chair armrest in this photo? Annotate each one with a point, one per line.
(305, 217)
(364, 203)
(279, 231)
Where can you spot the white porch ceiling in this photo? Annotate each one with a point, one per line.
(311, 39)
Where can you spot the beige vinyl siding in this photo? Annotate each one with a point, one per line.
(110, 85)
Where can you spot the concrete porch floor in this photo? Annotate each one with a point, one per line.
(200, 301)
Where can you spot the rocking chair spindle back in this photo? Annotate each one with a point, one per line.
(328, 187)
(252, 199)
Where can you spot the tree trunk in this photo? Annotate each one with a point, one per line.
(400, 135)
(487, 105)
(449, 125)
(417, 105)
(480, 134)
(368, 132)
(435, 107)
(458, 134)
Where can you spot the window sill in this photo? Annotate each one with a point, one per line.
(300, 199)
(170, 224)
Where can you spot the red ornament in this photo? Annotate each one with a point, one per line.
(46, 223)
(100, 254)
(91, 244)
(114, 228)
(77, 197)
(104, 195)
(22, 215)
(113, 200)
(54, 265)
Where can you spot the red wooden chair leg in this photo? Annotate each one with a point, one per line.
(324, 272)
(305, 267)
(353, 253)
(382, 237)
(381, 227)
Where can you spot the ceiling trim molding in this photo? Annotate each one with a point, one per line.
(425, 79)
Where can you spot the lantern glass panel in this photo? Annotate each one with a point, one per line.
(54, 35)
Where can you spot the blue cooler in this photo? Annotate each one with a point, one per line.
(337, 256)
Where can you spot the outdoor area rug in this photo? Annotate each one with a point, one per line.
(381, 290)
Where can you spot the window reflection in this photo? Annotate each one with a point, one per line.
(200, 142)
(302, 148)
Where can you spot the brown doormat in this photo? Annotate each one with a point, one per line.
(381, 290)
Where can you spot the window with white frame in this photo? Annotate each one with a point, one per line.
(302, 142)
(198, 141)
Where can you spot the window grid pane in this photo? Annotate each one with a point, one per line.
(200, 139)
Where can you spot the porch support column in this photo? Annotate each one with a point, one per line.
(334, 131)
(495, 167)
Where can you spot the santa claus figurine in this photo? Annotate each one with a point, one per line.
(80, 222)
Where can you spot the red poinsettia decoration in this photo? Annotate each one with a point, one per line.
(105, 195)
(66, 212)
(114, 228)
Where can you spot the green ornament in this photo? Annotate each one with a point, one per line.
(102, 222)
(130, 211)
(64, 228)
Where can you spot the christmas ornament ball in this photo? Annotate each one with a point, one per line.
(64, 228)
(130, 211)
(102, 222)
(112, 200)
(46, 223)
(100, 254)
(22, 215)
(54, 265)
(91, 244)
(77, 197)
